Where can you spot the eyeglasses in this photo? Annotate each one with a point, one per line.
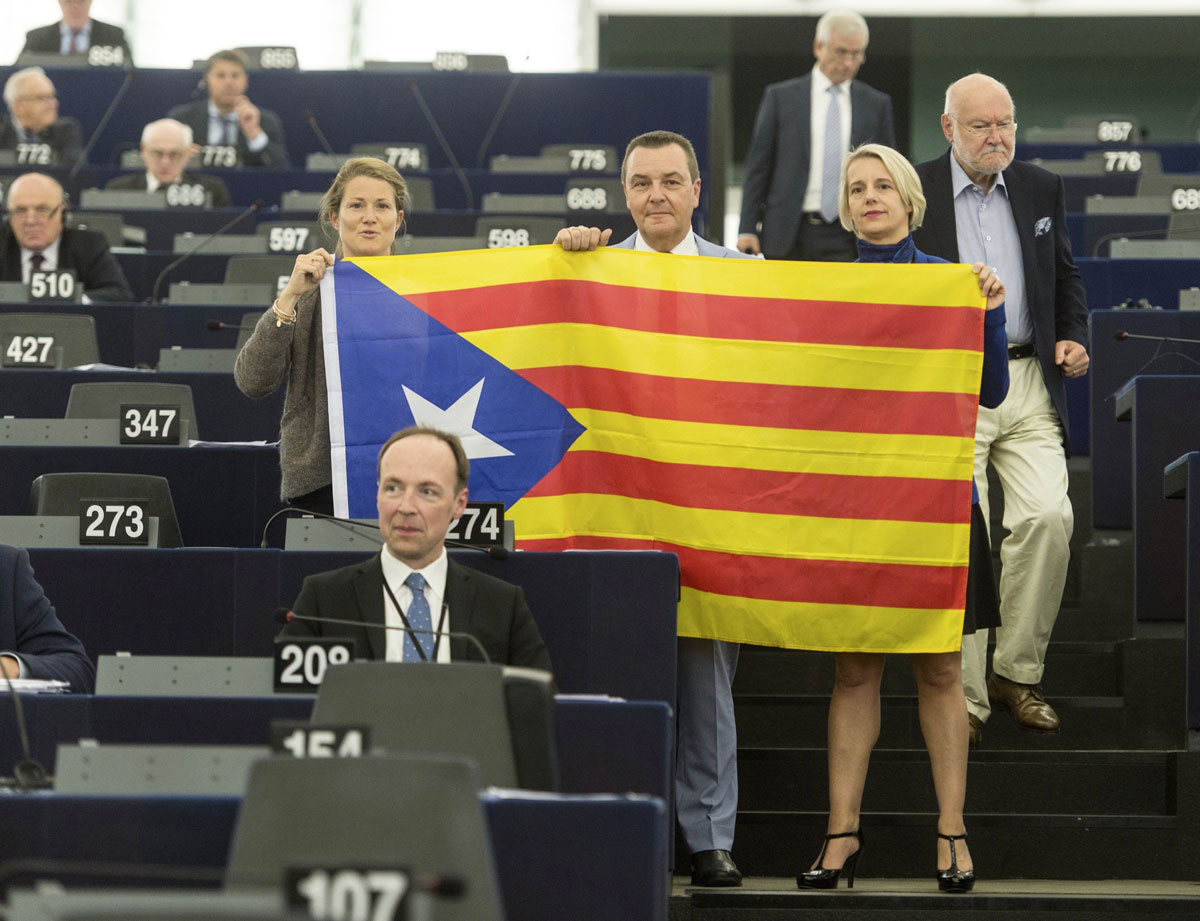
(854, 54)
(1006, 128)
(173, 156)
(38, 97)
(42, 212)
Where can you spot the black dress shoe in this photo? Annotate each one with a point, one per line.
(714, 868)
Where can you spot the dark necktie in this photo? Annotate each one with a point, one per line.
(35, 263)
(418, 619)
(76, 41)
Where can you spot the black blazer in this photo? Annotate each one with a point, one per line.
(30, 627)
(491, 610)
(195, 115)
(65, 138)
(1053, 286)
(213, 185)
(48, 39)
(85, 251)
(777, 163)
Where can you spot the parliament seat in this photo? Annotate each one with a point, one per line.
(422, 814)
(60, 494)
(501, 718)
(102, 400)
(74, 335)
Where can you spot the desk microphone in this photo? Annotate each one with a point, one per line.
(312, 123)
(1121, 335)
(1160, 233)
(287, 616)
(371, 531)
(199, 246)
(214, 325)
(27, 773)
(104, 120)
(441, 139)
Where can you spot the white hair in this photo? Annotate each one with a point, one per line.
(950, 90)
(185, 130)
(842, 21)
(12, 85)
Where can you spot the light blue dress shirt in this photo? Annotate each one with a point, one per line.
(987, 233)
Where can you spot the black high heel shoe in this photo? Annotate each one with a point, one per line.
(821, 878)
(954, 879)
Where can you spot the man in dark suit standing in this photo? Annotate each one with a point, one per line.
(32, 126)
(33, 642)
(412, 582)
(227, 118)
(166, 149)
(661, 178)
(34, 239)
(76, 33)
(804, 128)
(984, 207)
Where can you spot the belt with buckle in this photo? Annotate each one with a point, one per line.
(1021, 351)
(815, 217)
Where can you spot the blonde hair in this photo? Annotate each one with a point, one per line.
(372, 168)
(908, 183)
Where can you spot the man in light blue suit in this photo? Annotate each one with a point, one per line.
(804, 127)
(662, 188)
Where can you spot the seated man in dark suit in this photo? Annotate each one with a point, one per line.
(412, 582)
(34, 239)
(33, 642)
(32, 126)
(227, 118)
(77, 32)
(166, 149)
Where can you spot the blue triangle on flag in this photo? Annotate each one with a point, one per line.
(385, 344)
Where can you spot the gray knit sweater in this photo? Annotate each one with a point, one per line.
(293, 352)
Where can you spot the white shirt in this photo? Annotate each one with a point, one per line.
(394, 573)
(816, 144)
(685, 247)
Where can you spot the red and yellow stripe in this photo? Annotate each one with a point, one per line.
(801, 435)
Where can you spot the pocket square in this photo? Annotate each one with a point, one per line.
(1041, 227)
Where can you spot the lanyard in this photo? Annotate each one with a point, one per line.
(437, 640)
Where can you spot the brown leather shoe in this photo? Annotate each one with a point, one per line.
(974, 729)
(1024, 702)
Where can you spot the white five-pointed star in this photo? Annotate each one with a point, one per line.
(457, 419)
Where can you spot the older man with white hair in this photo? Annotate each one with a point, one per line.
(166, 150)
(32, 127)
(35, 238)
(984, 206)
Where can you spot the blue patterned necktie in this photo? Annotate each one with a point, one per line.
(831, 168)
(418, 619)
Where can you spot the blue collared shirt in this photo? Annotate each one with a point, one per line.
(65, 32)
(217, 130)
(987, 233)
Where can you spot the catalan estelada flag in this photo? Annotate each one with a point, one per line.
(800, 434)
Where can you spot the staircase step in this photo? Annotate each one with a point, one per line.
(799, 720)
(915, 900)
(1058, 782)
(1090, 669)
(1003, 846)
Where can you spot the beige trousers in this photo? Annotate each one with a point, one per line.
(1023, 440)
